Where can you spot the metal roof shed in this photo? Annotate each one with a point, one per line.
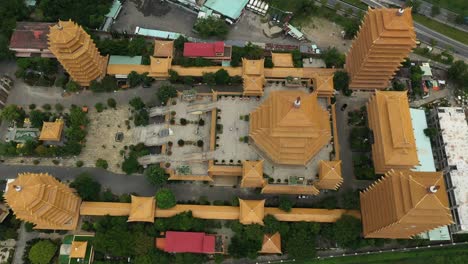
(228, 8)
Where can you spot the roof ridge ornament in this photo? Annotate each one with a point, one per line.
(433, 189)
(297, 102)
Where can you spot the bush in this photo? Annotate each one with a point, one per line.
(211, 26)
(86, 187)
(79, 163)
(36, 162)
(58, 107)
(201, 122)
(101, 163)
(333, 58)
(222, 77)
(72, 87)
(183, 121)
(285, 203)
(269, 62)
(188, 80)
(181, 142)
(209, 78)
(47, 107)
(200, 143)
(99, 107)
(137, 103)
(111, 103)
(166, 92)
(165, 199)
(32, 106)
(173, 76)
(42, 252)
(156, 175)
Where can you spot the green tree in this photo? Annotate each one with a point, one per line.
(166, 92)
(37, 118)
(430, 132)
(72, 87)
(341, 81)
(173, 76)
(134, 79)
(137, 103)
(58, 107)
(165, 199)
(102, 163)
(88, 188)
(268, 62)
(347, 232)
(458, 73)
(297, 58)
(300, 240)
(211, 26)
(285, 203)
(415, 4)
(209, 78)
(130, 165)
(99, 107)
(333, 58)
(42, 252)
(398, 86)
(137, 46)
(111, 103)
(12, 113)
(179, 43)
(156, 175)
(222, 77)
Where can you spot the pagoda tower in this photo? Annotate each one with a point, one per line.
(40, 199)
(77, 53)
(405, 203)
(385, 39)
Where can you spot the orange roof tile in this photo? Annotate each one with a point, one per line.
(252, 174)
(78, 249)
(282, 60)
(251, 211)
(142, 209)
(271, 244)
(289, 134)
(163, 48)
(52, 131)
(329, 174)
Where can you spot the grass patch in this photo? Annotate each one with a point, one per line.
(457, 6)
(456, 254)
(442, 28)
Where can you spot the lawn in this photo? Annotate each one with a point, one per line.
(457, 6)
(442, 28)
(356, 3)
(452, 255)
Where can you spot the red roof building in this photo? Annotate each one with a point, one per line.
(30, 39)
(187, 242)
(213, 51)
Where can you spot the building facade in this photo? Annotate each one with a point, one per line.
(450, 150)
(77, 53)
(385, 39)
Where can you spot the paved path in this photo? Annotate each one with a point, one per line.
(23, 237)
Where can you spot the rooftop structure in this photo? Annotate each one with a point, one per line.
(142, 209)
(271, 244)
(403, 204)
(159, 67)
(252, 174)
(251, 211)
(423, 142)
(330, 175)
(227, 8)
(451, 154)
(254, 77)
(290, 127)
(163, 48)
(187, 242)
(77, 53)
(52, 131)
(393, 145)
(156, 33)
(213, 51)
(78, 249)
(30, 39)
(112, 15)
(40, 199)
(385, 39)
(282, 59)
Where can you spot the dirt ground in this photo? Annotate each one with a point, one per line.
(100, 141)
(326, 34)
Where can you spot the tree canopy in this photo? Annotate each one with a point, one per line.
(165, 199)
(347, 232)
(211, 26)
(12, 113)
(285, 203)
(156, 175)
(88, 188)
(42, 252)
(165, 92)
(10, 12)
(333, 58)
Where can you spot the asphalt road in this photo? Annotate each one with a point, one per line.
(423, 33)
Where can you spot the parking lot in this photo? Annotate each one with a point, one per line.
(166, 16)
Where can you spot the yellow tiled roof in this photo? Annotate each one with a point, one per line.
(271, 244)
(51, 131)
(251, 211)
(282, 60)
(142, 209)
(160, 67)
(163, 48)
(252, 174)
(78, 249)
(329, 174)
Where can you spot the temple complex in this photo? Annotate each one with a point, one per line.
(290, 127)
(394, 145)
(404, 204)
(385, 39)
(40, 199)
(77, 53)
